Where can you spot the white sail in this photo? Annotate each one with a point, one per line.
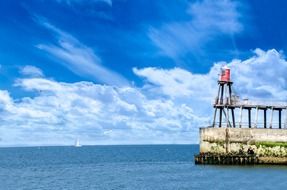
(77, 143)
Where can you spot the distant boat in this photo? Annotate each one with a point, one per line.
(77, 143)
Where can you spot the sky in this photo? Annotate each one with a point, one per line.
(131, 71)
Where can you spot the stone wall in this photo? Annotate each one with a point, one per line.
(264, 142)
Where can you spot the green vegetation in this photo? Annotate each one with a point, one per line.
(271, 144)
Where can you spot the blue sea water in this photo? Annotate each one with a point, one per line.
(132, 167)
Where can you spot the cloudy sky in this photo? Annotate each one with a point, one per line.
(131, 71)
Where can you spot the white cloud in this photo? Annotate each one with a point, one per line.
(30, 70)
(72, 2)
(179, 82)
(261, 76)
(79, 58)
(98, 114)
(208, 20)
(169, 108)
(222, 16)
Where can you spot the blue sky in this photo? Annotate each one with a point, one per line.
(131, 71)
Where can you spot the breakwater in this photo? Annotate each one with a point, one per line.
(242, 146)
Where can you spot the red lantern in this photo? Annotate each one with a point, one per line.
(225, 74)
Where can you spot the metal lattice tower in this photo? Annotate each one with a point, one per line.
(227, 102)
(224, 99)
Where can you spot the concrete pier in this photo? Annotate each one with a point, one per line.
(242, 146)
(226, 142)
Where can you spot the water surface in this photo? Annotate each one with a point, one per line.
(127, 167)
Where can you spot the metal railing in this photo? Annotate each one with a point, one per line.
(245, 102)
(274, 125)
(262, 103)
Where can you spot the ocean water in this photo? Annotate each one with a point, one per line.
(132, 167)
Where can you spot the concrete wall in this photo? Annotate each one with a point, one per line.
(264, 142)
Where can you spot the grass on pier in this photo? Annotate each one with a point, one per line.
(271, 144)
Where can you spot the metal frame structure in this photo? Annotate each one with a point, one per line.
(225, 102)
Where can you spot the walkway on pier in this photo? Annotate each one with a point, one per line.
(271, 108)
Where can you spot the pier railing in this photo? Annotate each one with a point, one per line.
(265, 114)
(275, 125)
(260, 103)
(234, 101)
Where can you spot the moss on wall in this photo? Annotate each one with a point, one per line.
(275, 149)
(271, 144)
(263, 142)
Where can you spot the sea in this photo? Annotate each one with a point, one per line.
(131, 167)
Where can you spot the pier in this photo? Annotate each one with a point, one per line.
(226, 102)
(243, 132)
(226, 159)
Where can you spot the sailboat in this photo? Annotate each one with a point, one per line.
(77, 143)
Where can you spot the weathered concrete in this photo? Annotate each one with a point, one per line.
(243, 135)
(270, 145)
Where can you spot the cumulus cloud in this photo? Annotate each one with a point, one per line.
(169, 108)
(98, 114)
(30, 70)
(79, 58)
(261, 79)
(179, 82)
(262, 76)
(208, 19)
